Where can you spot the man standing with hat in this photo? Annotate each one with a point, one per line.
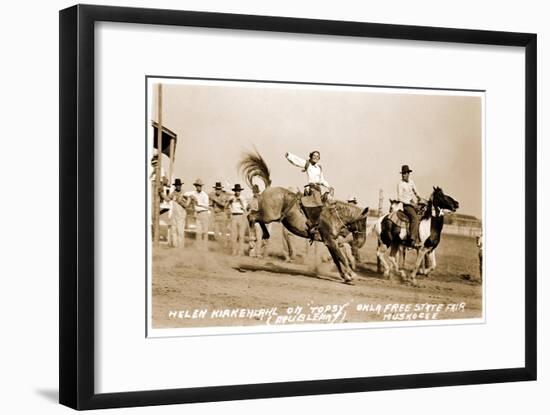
(218, 203)
(202, 213)
(408, 195)
(178, 203)
(237, 206)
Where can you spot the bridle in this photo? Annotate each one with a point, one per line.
(437, 211)
(348, 225)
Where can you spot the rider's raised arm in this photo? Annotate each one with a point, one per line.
(297, 161)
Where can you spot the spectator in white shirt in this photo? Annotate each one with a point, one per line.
(202, 213)
(479, 243)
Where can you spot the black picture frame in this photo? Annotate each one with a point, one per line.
(77, 176)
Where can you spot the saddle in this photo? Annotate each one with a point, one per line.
(312, 197)
(312, 204)
(311, 201)
(400, 219)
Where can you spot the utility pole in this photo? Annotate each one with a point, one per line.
(380, 207)
(158, 170)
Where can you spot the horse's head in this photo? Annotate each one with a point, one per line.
(358, 227)
(443, 201)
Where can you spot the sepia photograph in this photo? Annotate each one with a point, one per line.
(281, 206)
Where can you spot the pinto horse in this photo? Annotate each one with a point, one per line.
(277, 204)
(431, 225)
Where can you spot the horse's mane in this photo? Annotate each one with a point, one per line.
(428, 211)
(348, 210)
(253, 165)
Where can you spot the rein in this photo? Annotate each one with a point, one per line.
(290, 205)
(354, 232)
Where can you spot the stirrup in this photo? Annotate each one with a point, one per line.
(312, 231)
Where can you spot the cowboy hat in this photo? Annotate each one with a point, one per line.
(198, 182)
(178, 182)
(237, 188)
(352, 199)
(218, 186)
(405, 169)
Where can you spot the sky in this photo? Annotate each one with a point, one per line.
(364, 136)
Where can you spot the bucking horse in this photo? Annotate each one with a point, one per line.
(391, 230)
(277, 204)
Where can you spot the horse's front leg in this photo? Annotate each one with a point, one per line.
(355, 252)
(419, 261)
(430, 263)
(347, 250)
(339, 259)
(424, 265)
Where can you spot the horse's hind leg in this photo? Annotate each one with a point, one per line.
(382, 260)
(403, 256)
(394, 265)
(419, 260)
(265, 231)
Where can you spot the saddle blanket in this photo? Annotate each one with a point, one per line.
(400, 219)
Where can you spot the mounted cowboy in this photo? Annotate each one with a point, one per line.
(408, 196)
(392, 233)
(317, 188)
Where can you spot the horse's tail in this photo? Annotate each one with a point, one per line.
(253, 165)
(376, 227)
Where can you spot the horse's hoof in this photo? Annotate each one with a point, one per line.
(413, 281)
(348, 277)
(386, 274)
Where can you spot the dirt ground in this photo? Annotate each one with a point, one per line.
(191, 288)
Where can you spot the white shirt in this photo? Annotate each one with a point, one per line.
(201, 199)
(314, 171)
(406, 191)
(237, 204)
